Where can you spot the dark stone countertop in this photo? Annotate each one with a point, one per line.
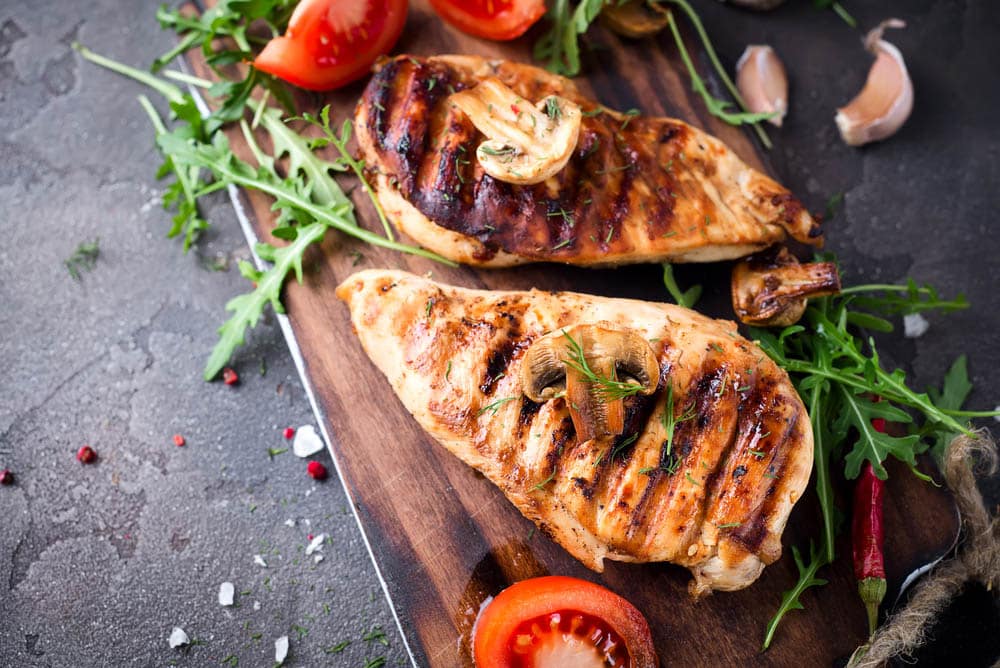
(99, 563)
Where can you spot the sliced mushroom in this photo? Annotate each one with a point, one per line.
(886, 100)
(634, 18)
(770, 289)
(761, 78)
(525, 143)
(593, 367)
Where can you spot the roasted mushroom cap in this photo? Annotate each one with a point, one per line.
(525, 143)
(771, 288)
(594, 367)
(634, 18)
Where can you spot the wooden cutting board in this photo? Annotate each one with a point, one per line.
(441, 536)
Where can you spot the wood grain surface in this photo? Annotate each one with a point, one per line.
(443, 537)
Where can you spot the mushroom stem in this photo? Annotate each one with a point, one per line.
(594, 416)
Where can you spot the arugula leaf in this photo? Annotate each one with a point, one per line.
(954, 392)
(856, 411)
(686, 298)
(248, 308)
(790, 600)
(559, 47)
(903, 299)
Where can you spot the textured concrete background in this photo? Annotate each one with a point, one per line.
(98, 563)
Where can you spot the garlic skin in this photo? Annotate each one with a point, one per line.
(761, 79)
(886, 100)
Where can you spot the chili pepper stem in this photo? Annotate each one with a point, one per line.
(872, 591)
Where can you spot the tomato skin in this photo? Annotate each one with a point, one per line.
(504, 23)
(535, 597)
(316, 53)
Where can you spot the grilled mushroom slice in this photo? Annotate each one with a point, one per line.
(525, 143)
(594, 367)
(634, 18)
(771, 288)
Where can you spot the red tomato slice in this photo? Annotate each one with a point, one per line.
(557, 621)
(330, 43)
(493, 19)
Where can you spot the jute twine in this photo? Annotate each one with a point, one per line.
(978, 558)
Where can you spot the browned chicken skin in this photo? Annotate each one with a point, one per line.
(636, 189)
(714, 499)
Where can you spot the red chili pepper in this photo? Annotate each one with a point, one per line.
(514, 108)
(289, 432)
(86, 455)
(866, 536)
(179, 440)
(229, 376)
(316, 471)
(6, 477)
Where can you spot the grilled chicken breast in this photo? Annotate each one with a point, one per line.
(635, 189)
(714, 498)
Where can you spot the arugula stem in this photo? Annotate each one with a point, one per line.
(189, 41)
(881, 287)
(167, 90)
(357, 167)
(821, 462)
(842, 13)
(325, 215)
(716, 63)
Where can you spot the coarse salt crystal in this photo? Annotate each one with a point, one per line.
(259, 560)
(316, 544)
(178, 637)
(281, 649)
(318, 558)
(256, 605)
(307, 442)
(289, 522)
(226, 592)
(914, 325)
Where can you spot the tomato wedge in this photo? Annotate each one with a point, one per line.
(330, 43)
(493, 19)
(556, 621)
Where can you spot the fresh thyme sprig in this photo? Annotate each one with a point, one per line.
(495, 406)
(610, 389)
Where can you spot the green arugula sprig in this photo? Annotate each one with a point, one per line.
(686, 298)
(610, 389)
(840, 375)
(225, 33)
(790, 599)
(559, 48)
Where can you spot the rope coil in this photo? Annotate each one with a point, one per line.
(978, 558)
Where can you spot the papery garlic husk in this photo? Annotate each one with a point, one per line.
(761, 79)
(886, 100)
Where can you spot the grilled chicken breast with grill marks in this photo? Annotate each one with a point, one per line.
(635, 189)
(714, 499)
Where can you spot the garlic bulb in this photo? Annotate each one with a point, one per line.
(886, 100)
(760, 76)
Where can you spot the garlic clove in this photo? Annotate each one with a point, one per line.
(761, 79)
(886, 100)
